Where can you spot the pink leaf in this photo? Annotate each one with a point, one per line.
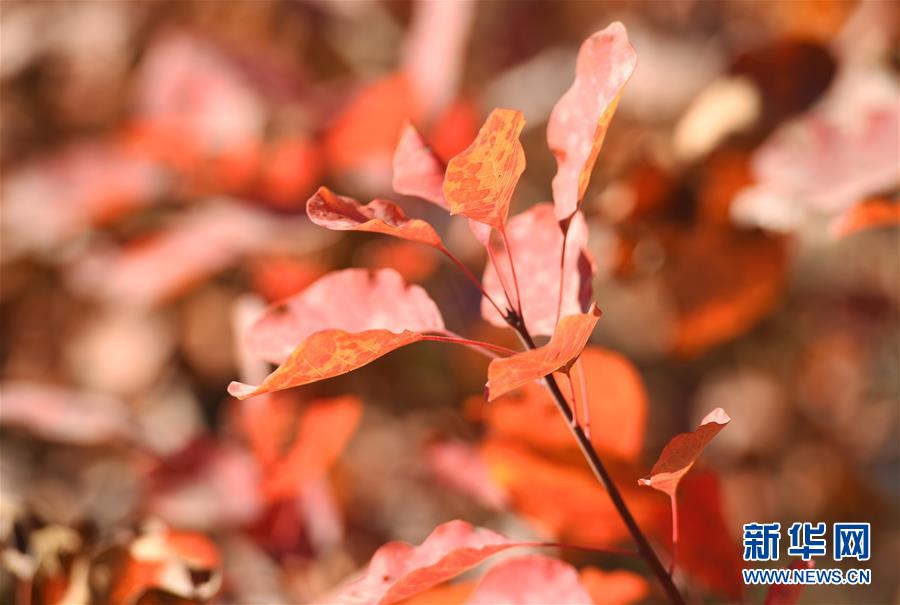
(418, 170)
(536, 240)
(532, 579)
(461, 466)
(353, 300)
(580, 119)
(399, 570)
(682, 451)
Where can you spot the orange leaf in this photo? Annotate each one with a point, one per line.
(570, 337)
(399, 570)
(531, 579)
(614, 587)
(324, 355)
(341, 213)
(480, 181)
(868, 214)
(353, 300)
(618, 409)
(324, 430)
(682, 451)
(446, 594)
(580, 119)
(417, 170)
(535, 241)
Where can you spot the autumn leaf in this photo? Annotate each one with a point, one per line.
(533, 235)
(327, 354)
(353, 300)
(570, 337)
(531, 579)
(618, 409)
(460, 466)
(399, 570)
(323, 431)
(579, 122)
(682, 451)
(873, 213)
(417, 170)
(480, 181)
(341, 213)
(618, 587)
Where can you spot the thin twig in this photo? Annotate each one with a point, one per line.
(512, 269)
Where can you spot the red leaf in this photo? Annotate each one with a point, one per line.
(535, 241)
(324, 430)
(682, 451)
(399, 570)
(869, 214)
(353, 300)
(417, 170)
(341, 213)
(614, 587)
(324, 355)
(480, 181)
(570, 337)
(788, 594)
(580, 119)
(618, 409)
(531, 579)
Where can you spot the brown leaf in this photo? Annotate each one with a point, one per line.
(682, 451)
(324, 355)
(341, 213)
(480, 181)
(570, 337)
(353, 300)
(418, 170)
(580, 119)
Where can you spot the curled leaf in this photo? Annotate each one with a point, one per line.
(399, 570)
(353, 300)
(531, 579)
(480, 181)
(682, 451)
(569, 339)
(327, 354)
(580, 119)
(535, 241)
(341, 213)
(418, 170)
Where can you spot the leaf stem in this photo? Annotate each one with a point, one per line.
(674, 533)
(593, 459)
(469, 343)
(512, 268)
(471, 277)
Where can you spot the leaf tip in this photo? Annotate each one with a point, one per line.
(718, 416)
(240, 390)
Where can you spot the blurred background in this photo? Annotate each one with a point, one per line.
(156, 160)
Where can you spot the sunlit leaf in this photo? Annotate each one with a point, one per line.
(682, 451)
(353, 300)
(417, 170)
(399, 570)
(570, 337)
(535, 241)
(379, 216)
(480, 181)
(327, 354)
(580, 119)
(531, 579)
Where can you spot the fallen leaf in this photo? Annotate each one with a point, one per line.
(480, 181)
(571, 336)
(788, 594)
(323, 431)
(535, 241)
(682, 451)
(618, 587)
(531, 579)
(874, 213)
(418, 170)
(399, 570)
(341, 213)
(618, 409)
(580, 119)
(353, 300)
(327, 354)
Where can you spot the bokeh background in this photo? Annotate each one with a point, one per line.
(156, 159)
